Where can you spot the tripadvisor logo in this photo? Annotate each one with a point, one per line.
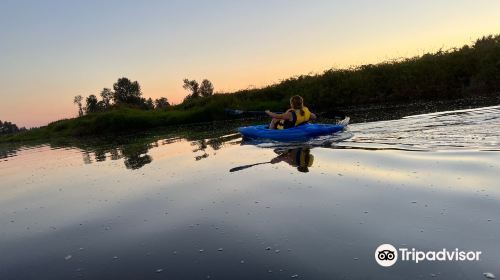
(387, 255)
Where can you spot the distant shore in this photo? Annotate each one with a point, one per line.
(358, 114)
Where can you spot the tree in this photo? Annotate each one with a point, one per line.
(206, 88)
(193, 87)
(107, 96)
(149, 104)
(126, 92)
(92, 104)
(78, 101)
(196, 90)
(161, 103)
(8, 127)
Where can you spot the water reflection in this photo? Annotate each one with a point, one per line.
(201, 146)
(7, 151)
(176, 212)
(135, 155)
(215, 144)
(300, 158)
(135, 151)
(473, 129)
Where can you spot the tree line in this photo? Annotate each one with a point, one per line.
(124, 93)
(128, 93)
(469, 71)
(9, 128)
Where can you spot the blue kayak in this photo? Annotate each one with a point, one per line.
(301, 132)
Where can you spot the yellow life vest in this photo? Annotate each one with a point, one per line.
(303, 157)
(297, 118)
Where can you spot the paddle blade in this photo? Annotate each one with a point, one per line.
(240, 168)
(246, 166)
(233, 112)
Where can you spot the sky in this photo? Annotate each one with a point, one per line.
(52, 50)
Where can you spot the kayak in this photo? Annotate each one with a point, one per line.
(301, 132)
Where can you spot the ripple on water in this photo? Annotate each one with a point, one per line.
(471, 129)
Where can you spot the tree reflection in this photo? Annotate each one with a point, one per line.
(86, 157)
(133, 150)
(115, 154)
(100, 155)
(214, 143)
(6, 152)
(201, 146)
(136, 155)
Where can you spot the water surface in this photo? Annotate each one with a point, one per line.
(166, 206)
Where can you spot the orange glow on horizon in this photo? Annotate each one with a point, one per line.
(233, 78)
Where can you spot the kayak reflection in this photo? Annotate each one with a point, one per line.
(300, 157)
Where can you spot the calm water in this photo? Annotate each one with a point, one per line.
(189, 205)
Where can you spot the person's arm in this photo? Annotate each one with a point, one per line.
(284, 116)
(313, 116)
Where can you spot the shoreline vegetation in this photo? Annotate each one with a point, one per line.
(453, 79)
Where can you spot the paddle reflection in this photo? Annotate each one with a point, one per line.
(299, 157)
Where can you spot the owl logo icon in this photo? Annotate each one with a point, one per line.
(386, 255)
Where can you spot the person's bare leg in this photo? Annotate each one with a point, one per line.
(272, 125)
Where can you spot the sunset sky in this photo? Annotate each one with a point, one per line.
(53, 50)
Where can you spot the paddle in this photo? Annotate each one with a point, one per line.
(246, 166)
(329, 114)
(236, 112)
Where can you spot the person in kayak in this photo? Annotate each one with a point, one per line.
(298, 157)
(298, 114)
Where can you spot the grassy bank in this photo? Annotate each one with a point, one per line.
(464, 73)
(116, 121)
